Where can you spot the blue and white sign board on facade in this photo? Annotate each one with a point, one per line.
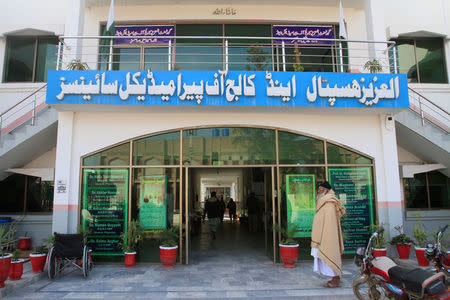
(228, 88)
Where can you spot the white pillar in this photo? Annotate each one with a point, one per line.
(62, 204)
(376, 31)
(74, 27)
(390, 205)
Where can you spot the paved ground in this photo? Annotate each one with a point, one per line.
(218, 270)
(255, 278)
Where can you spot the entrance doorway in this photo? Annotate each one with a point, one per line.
(249, 231)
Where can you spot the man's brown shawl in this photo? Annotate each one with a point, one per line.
(326, 231)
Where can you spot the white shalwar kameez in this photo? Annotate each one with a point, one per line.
(320, 266)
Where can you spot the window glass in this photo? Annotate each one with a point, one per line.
(198, 57)
(407, 60)
(126, 59)
(439, 190)
(198, 30)
(430, 60)
(12, 189)
(46, 57)
(39, 195)
(228, 146)
(250, 30)
(115, 156)
(156, 59)
(339, 155)
(299, 149)
(20, 59)
(156, 204)
(416, 191)
(307, 59)
(163, 149)
(250, 58)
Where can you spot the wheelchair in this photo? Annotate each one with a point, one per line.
(68, 250)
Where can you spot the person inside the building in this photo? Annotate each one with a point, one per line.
(327, 244)
(231, 209)
(212, 210)
(252, 209)
(222, 208)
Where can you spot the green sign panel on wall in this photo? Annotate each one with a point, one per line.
(301, 204)
(105, 208)
(152, 204)
(353, 187)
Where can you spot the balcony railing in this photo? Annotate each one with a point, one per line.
(229, 53)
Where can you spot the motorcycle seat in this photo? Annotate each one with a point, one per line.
(413, 280)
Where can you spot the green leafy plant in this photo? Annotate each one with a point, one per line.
(257, 58)
(77, 65)
(401, 238)
(16, 255)
(169, 237)
(287, 234)
(40, 249)
(7, 239)
(49, 241)
(373, 66)
(297, 66)
(420, 235)
(132, 237)
(379, 242)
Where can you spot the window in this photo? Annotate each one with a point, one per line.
(29, 58)
(422, 60)
(427, 191)
(23, 193)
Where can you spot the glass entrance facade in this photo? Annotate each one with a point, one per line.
(146, 179)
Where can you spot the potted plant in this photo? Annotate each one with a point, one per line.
(379, 243)
(130, 240)
(288, 245)
(7, 232)
(168, 247)
(420, 237)
(373, 66)
(16, 270)
(402, 242)
(24, 242)
(77, 65)
(38, 258)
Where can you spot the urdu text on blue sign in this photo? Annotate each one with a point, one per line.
(228, 88)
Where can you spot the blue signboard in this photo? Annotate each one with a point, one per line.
(228, 88)
(324, 33)
(152, 31)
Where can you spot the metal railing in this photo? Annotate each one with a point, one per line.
(228, 53)
(24, 111)
(428, 111)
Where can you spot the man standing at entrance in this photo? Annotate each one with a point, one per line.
(212, 210)
(327, 244)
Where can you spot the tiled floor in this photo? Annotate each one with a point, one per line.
(217, 270)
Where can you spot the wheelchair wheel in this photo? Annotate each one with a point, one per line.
(52, 264)
(87, 266)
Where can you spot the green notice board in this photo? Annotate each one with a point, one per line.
(105, 208)
(152, 204)
(301, 204)
(353, 187)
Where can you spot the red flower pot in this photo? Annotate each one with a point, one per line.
(403, 250)
(130, 259)
(5, 264)
(38, 262)
(378, 252)
(16, 270)
(289, 255)
(420, 255)
(24, 243)
(168, 256)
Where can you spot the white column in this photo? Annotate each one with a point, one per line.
(390, 205)
(62, 204)
(74, 27)
(376, 31)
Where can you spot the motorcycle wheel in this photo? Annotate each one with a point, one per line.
(368, 289)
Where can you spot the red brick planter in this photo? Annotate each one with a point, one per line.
(130, 259)
(5, 264)
(16, 270)
(289, 255)
(168, 256)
